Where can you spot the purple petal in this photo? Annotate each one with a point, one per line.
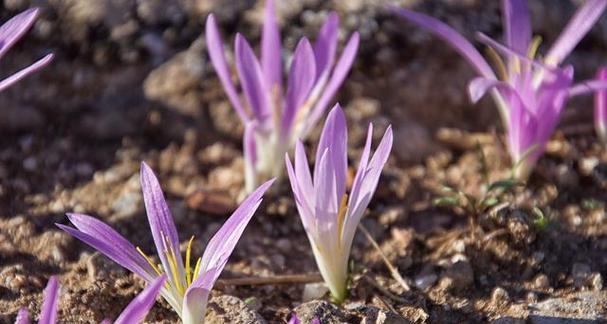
(579, 25)
(25, 72)
(23, 317)
(449, 35)
(334, 138)
(586, 87)
(270, 48)
(337, 77)
(600, 106)
(326, 203)
(302, 170)
(294, 319)
(326, 45)
(215, 48)
(160, 218)
(106, 240)
(362, 168)
(48, 312)
(250, 154)
(517, 25)
(479, 86)
(302, 199)
(12, 30)
(300, 83)
(222, 244)
(139, 307)
(252, 80)
(368, 181)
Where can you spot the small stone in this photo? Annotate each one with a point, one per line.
(499, 296)
(566, 176)
(324, 311)
(284, 245)
(17, 281)
(460, 273)
(314, 291)
(541, 281)
(30, 164)
(531, 297)
(587, 164)
(425, 281)
(596, 281)
(580, 273)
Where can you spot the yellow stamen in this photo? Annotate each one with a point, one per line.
(173, 264)
(197, 268)
(188, 272)
(341, 214)
(150, 261)
(502, 72)
(534, 47)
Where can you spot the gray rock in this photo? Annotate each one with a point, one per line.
(229, 309)
(570, 309)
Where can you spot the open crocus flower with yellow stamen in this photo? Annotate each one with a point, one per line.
(530, 92)
(135, 312)
(188, 283)
(329, 215)
(274, 118)
(10, 33)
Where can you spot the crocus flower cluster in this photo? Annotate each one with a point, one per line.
(10, 33)
(275, 115)
(600, 106)
(135, 312)
(530, 92)
(329, 214)
(188, 283)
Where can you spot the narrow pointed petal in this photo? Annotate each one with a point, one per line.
(222, 244)
(327, 204)
(250, 155)
(579, 25)
(302, 170)
(252, 79)
(334, 138)
(326, 45)
(517, 25)
(478, 87)
(301, 200)
(12, 30)
(215, 48)
(452, 37)
(23, 316)
(139, 307)
(301, 80)
(586, 87)
(368, 184)
(106, 240)
(48, 311)
(338, 75)
(362, 168)
(600, 107)
(160, 218)
(271, 62)
(25, 72)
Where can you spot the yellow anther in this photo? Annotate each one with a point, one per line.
(173, 264)
(197, 269)
(534, 47)
(188, 272)
(341, 214)
(502, 72)
(150, 261)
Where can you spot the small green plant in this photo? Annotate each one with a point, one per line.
(541, 221)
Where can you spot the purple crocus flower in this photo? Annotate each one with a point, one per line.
(329, 215)
(135, 312)
(10, 33)
(530, 93)
(600, 107)
(188, 284)
(50, 300)
(275, 115)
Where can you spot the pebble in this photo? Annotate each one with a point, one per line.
(580, 273)
(499, 296)
(426, 281)
(596, 281)
(541, 281)
(314, 291)
(460, 274)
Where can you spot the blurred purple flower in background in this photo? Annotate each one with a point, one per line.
(50, 300)
(329, 215)
(10, 33)
(276, 115)
(600, 107)
(188, 286)
(135, 312)
(530, 92)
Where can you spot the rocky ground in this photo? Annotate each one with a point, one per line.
(132, 82)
